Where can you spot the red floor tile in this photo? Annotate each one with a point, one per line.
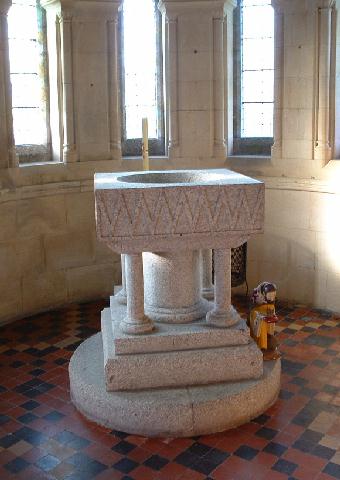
(39, 420)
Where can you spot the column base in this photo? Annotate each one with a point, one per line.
(178, 315)
(136, 327)
(323, 153)
(121, 297)
(208, 293)
(224, 318)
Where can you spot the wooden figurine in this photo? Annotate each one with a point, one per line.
(262, 319)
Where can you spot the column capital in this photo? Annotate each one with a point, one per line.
(5, 6)
(175, 7)
(230, 5)
(325, 4)
(291, 6)
(83, 8)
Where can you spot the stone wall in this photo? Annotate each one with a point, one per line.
(49, 255)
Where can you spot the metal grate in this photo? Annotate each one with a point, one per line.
(238, 265)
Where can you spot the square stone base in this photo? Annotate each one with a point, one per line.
(173, 356)
(168, 337)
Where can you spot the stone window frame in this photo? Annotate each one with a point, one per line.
(254, 146)
(133, 147)
(39, 153)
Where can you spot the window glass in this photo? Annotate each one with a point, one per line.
(28, 76)
(257, 68)
(142, 72)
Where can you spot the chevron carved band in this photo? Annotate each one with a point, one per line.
(181, 211)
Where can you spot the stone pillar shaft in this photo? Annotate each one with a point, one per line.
(223, 314)
(228, 68)
(7, 147)
(222, 279)
(278, 79)
(207, 285)
(173, 286)
(323, 107)
(172, 80)
(218, 87)
(121, 295)
(69, 141)
(114, 95)
(135, 321)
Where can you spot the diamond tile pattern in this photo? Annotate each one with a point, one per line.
(42, 436)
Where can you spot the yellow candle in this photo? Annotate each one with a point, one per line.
(145, 148)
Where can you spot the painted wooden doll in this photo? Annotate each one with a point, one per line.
(262, 319)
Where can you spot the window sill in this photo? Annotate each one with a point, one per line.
(39, 164)
(250, 158)
(139, 157)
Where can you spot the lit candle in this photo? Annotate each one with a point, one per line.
(145, 148)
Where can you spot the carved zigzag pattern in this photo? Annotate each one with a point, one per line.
(182, 211)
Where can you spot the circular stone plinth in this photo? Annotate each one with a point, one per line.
(175, 412)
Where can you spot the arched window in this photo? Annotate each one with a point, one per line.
(28, 69)
(142, 85)
(253, 77)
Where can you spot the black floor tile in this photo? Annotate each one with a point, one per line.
(27, 418)
(156, 462)
(47, 463)
(125, 465)
(17, 465)
(267, 433)
(284, 466)
(30, 405)
(53, 416)
(123, 447)
(275, 449)
(246, 452)
(319, 340)
(198, 449)
(261, 419)
(323, 452)
(332, 469)
(8, 440)
(186, 459)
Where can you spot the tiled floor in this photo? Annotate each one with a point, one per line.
(43, 437)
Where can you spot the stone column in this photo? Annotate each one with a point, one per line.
(171, 77)
(7, 147)
(135, 322)
(114, 89)
(218, 87)
(173, 286)
(121, 295)
(323, 105)
(278, 78)
(66, 53)
(223, 314)
(228, 67)
(207, 285)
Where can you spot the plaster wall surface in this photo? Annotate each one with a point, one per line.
(49, 254)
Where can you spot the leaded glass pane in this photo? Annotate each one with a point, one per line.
(26, 52)
(140, 67)
(25, 118)
(257, 119)
(257, 68)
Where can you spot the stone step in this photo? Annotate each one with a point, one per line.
(169, 337)
(197, 366)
